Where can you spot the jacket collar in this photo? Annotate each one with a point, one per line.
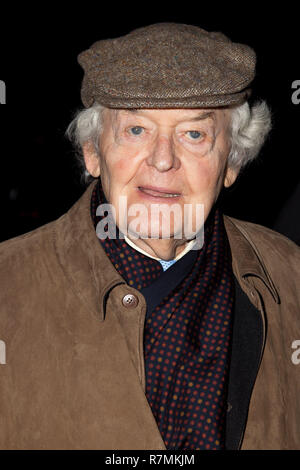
(246, 257)
(91, 274)
(82, 258)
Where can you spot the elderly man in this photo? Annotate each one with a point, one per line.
(144, 318)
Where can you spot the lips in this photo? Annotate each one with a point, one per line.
(159, 192)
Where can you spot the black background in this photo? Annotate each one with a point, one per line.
(39, 48)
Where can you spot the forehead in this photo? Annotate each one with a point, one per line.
(174, 115)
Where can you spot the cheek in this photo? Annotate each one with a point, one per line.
(203, 177)
(124, 162)
(120, 166)
(206, 179)
(115, 162)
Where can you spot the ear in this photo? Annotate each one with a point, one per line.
(91, 159)
(230, 176)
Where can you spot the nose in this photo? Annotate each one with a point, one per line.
(163, 156)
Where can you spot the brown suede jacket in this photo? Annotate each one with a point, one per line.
(72, 373)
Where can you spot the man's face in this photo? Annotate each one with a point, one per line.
(168, 156)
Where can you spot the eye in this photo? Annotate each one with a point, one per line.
(195, 135)
(137, 130)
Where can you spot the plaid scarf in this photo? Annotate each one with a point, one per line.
(187, 336)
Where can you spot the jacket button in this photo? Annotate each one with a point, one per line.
(130, 301)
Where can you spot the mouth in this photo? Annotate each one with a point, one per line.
(159, 192)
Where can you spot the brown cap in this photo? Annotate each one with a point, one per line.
(167, 65)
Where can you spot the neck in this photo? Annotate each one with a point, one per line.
(165, 249)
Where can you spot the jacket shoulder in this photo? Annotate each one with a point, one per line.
(279, 254)
(261, 235)
(28, 264)
(26, 261)
(27, 243)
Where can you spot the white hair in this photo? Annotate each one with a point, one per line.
(249, 129)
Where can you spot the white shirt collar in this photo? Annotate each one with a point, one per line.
(188, 247)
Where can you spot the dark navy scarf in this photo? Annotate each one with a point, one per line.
(187, 334)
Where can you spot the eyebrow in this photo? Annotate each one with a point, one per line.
(199, 117)
(205, 115)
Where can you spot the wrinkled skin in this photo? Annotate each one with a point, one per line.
(182, 151)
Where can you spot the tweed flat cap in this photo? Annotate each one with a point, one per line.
(167, 65)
